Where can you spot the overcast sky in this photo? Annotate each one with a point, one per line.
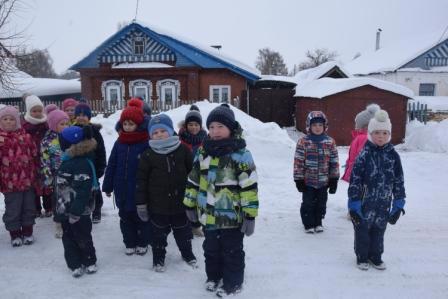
(70, 29)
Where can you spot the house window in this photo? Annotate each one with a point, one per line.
(141, 88)
(427, 89)
(220, 93)
(168, 93)
(139, 45)
(112, 92)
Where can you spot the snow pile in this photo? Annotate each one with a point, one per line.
(432, 137)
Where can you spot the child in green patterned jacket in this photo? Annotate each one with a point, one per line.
(222, 193)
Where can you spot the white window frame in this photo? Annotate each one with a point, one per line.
(162, 85)
(139, 83)
(138, 39)
(220, 87)
(107, 87)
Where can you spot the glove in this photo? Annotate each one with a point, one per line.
(300, 184)
(354, 207)
(72, 219)
(397, 209)
(248, 226)
(192, 215)
(332, 186)
(142, 212)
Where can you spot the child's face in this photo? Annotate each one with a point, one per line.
(218, 131)
(8, 123)
(61, 125)
(193, 128)
(317, 128)
(380, 137)
(70, 112)
(82, 119)
(129, 126)
(37, 112)
(160, 134)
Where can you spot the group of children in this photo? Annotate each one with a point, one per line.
(163, 181)
(376, 194)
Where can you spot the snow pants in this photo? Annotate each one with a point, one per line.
(161, 226)
(98, 196)
(369, 242)
(314, 206)
(78, 243)
(20, 210)
(135, 232)
(224, 257)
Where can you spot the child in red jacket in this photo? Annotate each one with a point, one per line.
(17, 175)
(359, 137)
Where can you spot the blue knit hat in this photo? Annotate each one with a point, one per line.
(161, 121)
(222, 114)
(73, 134)
(83, 108)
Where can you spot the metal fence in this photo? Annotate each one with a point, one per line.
(418, 111)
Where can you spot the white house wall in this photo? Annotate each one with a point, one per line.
(412, 80)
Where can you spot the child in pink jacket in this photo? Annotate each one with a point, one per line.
(359, 138)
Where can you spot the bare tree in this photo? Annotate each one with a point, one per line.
(270, 62)
(10, 38)
(317, 57)
(37, 63)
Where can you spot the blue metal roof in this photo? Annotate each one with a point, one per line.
(186, 55)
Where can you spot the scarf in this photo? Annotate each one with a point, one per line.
(35, 121)
(132, 137)
(189, 138)
(165, 146)
(219, 148)
(317, 138)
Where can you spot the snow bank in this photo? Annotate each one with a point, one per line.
(432, 137)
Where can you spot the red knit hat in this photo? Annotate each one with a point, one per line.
(134, 112)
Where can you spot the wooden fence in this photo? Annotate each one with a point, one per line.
(418, 111)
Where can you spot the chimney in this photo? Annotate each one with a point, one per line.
(378, 35)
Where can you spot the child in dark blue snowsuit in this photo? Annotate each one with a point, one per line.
(376, 183)
(120, 177)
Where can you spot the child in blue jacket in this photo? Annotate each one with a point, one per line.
(376, 184)
(120, 177)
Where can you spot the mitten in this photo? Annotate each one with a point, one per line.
(332, 186)
(142, 212)
(300, 184)
(354, 207)
(397, 209)
(72, 219)
(192, 215)
(248, 226)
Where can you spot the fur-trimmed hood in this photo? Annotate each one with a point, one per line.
(82, 148)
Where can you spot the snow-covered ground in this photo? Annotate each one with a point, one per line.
(281, 260)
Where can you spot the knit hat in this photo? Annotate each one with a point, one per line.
(12, 111)
(69, 103)
(193, 115)
(55, 117)
(83, 108)
(32, 101)
(316, 117)
(161, 121)
(133, 112)
(222, 114)
(381, 121)
(49, 108)
(362, 118)
(73, 134)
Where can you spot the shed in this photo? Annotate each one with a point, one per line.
(342, 99)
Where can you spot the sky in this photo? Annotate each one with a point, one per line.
(72, 29)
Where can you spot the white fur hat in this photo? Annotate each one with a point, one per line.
(381, 121)
(32, 101)
(362, 118)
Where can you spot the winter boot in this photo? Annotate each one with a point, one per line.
(141, 250)
(92, 269)
(129, 251)
(160, 267)
(309, 230)
(78, 272)
(319, 229)
(379, 265)
(222, 293)
(96, 218)
(211, 285)
(16, 238)
(27, 232)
